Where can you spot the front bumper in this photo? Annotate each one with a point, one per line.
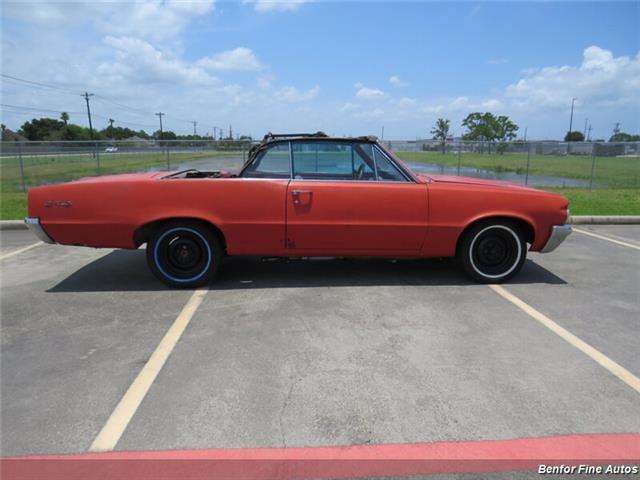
(33, 224)
(558, 235)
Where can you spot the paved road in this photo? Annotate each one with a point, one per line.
(333, 352)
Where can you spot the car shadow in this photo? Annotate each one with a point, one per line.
(126, 270)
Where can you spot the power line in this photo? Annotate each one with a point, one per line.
(31, 110)
(122, 121)
(38, 84)
(41, 85)
(18, 107)
(34, 84)
(134, 109)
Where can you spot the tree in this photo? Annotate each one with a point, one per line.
(489, 128)
(64, 116)
(624, 137)
(41, 129)
(574, 137)
(441, 132)
(166, 135)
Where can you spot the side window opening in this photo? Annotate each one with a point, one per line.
(274, 162)
(331, 161)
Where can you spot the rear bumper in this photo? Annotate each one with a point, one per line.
(558, 234)
(33, 224)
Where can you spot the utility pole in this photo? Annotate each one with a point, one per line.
(589, 133)
(525, 133)
(573, 100)
(194, 127)
(382, 134)
(230, 133)
(584, 134)
(616, 129)
(159, 115)
(86, 98)
(214, 132)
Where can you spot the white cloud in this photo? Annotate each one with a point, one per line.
(139, 61)
(151, 19)
(396, 81)
(601, 80)
(275, 5)
(455, 105)
(292, 94)
(406, 102)
(240, 58)
(491, 104)
(265, 81)
(154, 19)
(369, 93)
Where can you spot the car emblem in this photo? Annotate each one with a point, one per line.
(59, 203)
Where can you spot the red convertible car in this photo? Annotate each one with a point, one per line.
(303, 195)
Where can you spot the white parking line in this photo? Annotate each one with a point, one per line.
(608, 239)
(20, 250)
(604, 361)
(110, 434)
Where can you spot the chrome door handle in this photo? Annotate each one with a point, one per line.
(296, 195)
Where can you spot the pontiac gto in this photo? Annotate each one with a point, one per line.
(303, 195)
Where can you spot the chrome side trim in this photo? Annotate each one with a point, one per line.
(33, 224)
(558, 234)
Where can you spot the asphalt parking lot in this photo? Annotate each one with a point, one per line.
(320, 353)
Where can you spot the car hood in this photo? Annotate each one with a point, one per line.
(126, 177)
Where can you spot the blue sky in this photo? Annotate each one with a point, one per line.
(342, 67)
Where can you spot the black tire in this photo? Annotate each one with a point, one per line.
(184, 254)
(492, 251)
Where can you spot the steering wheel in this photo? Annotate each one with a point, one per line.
(360, 172)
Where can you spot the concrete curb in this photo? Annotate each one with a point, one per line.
(605, 220)
(12, 225)
(576, 220)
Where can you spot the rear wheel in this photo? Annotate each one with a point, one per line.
(492, 252)
(183, 254)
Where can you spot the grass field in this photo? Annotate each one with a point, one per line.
(40, 169)
(619, 174)
(611, 172)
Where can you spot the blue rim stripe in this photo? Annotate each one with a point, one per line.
(175, 279)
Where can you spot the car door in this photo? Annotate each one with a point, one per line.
(347, 197)
(255, 203)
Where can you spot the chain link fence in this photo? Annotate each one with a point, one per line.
(587, 165)
(27, 164)
(541, 164)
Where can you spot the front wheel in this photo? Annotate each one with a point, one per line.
(492, 252)
(183, 254)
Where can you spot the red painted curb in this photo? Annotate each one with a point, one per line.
(333, 462)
